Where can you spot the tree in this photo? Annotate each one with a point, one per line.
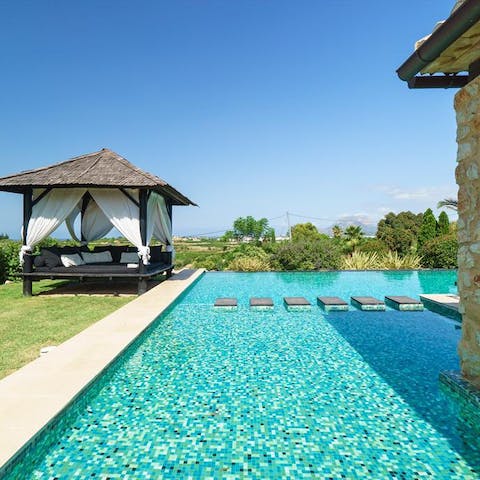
(337, 231)
(305, 232)
(353, 235)
(227, 236)
(428, 229)
(248, 228)
(443, 224)
(441, 252)
(269, 235)
(399, 231)
(449, 203)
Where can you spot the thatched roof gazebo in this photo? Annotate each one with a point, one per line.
(104, 190)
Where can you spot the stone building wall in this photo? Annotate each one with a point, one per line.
(467, 107)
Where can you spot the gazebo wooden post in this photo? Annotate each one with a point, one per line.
(143, 198)
(27, 259)
(85, 200)
(168, 204)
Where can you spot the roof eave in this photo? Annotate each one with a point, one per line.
(168, 191)
(453, 28)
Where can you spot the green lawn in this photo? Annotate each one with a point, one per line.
(28, 324)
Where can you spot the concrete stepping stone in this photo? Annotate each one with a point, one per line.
(368, 303)
(226, 302)
(332, 303)
(261, 302)
(296, 303)
(403, 303)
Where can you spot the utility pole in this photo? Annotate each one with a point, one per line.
(289, 227)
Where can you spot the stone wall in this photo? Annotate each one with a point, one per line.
(467, 107)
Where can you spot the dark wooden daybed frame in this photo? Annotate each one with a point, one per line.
(110, 271)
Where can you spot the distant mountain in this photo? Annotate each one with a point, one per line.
(368, 225)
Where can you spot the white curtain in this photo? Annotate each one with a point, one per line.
(49, 213)
(124, 214)
(159, 219)
(70, 221)
(94, 224)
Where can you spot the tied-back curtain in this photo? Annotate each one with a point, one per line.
(94, 225)
(49, 213)
(124, 216)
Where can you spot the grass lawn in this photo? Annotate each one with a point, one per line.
(28, 324)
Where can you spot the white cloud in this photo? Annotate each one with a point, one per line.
(431, 194)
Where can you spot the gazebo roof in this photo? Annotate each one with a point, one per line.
(103, 169)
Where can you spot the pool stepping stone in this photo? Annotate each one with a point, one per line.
(368, 304)
(296, 303)
(261, 302)
(226, 303)
(332, 304)
(403, 303)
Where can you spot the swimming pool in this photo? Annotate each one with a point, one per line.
(275, 394)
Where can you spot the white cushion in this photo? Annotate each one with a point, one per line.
(97, 257)
(129, 257)
(71, 260)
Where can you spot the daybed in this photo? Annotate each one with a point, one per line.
(102, 262)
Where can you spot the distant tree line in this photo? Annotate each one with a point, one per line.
(403, 241)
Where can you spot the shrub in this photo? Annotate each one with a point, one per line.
(393, 261)
(210, 262)
(361, 261)
(321, 254)
(249, 264)
(9, 260)
(248, 258)
(3, 266)
(441, 252)
(373, 245)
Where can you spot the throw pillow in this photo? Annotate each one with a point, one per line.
(39, 260)
(97, 257)
(71, 260)
(51, 259)
(129, 257)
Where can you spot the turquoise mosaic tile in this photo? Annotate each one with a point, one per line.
(257, 394)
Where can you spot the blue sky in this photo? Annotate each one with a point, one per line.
(248, 107)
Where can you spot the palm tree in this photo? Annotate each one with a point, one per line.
(337, 231)
(449, 203)
(353, 234)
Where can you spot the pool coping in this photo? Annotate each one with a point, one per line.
(446, 304)
(34, 395)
